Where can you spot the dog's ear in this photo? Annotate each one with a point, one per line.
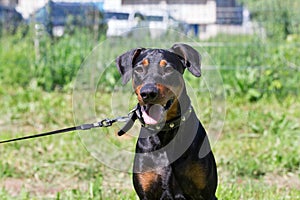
(191, 57)
(125, 63)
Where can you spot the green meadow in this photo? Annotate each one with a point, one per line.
(256, 144)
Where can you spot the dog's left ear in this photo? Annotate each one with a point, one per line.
(191, 57)
(125, 63)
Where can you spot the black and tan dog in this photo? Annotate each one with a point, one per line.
(173, 158)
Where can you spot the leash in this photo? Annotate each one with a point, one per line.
(130, 119)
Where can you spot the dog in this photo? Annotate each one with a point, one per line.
(173, 158)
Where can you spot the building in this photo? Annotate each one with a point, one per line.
(206, 18)
(9, 3)
(229, 12)
(27, 7)
(190, 11)
(199, 14)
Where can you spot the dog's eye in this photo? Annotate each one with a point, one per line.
(139, 69)
(169, 69)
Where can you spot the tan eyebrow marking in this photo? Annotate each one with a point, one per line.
(145, 62)
(163, 63)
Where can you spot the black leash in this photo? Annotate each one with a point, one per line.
(130, 118)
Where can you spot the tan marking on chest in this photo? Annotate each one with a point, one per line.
(146, 179)
(196, 174)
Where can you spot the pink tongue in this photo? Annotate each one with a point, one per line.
(154, 115)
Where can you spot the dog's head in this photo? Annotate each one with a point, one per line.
(157, 78)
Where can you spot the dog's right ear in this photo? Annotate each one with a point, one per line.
(125, 63)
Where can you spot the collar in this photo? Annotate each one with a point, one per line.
(169, 125)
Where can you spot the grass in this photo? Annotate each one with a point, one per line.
(257, 153)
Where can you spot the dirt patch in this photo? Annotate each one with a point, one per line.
(289, 180)
(14, 186)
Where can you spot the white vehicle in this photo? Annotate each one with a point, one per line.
(121, 23)
(160, 22)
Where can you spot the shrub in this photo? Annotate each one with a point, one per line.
(250, 67)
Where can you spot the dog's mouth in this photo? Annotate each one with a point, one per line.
(155, 113)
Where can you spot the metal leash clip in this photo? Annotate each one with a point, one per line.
(103, 123)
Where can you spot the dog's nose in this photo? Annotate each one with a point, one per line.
(149, 92)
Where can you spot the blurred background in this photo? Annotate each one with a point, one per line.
(253, 44)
